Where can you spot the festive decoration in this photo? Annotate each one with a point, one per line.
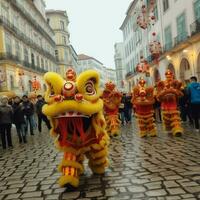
(155, 48)
(21, 81)
(75, 110)
(112, 100)
(168, 92)
(35, 84)
(146, 15)
(143, 100)
(143, 66)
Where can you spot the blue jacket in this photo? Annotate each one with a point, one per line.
(194, 92)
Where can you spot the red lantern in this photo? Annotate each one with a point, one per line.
(143, 66)
(146, 16)
(36, 84)
(155, 48)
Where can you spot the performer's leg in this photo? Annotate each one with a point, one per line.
(152, 127)
(166, 119)
(177, 130)
(98, 158)
(71, 167)
(142, 126)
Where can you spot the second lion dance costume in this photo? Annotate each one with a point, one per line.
(75, 110)
(143, 100)
(112, 100)
(168, 92)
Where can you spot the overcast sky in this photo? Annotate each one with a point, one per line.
(94, 25)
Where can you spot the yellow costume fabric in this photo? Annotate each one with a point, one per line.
(75, 110)
(112, 99)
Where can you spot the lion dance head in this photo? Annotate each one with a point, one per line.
(75, 109)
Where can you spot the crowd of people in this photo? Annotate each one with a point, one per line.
(189, 106)
(21, 112)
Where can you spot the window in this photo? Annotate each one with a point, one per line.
(42, 63)
(62, 25)
(56, 55)
(48, 20)
(26, 58)
(66, 56)
(8, 43)
(17, 50)
(165, 5)
(197, 9)
(38, 61)
(33, 59)
(16, 21)
(4, 11)
(168, 38)
(64, 40)
(46, 65)
(181, 28)
(156, 12)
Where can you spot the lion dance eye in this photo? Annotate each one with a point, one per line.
(89, 88)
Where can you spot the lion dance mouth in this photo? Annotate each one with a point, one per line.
(75, 109)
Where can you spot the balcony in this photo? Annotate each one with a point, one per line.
(180, 38)
(17, 60)
(32, 21)
(21, 36)
(195, 27)
(130, 74)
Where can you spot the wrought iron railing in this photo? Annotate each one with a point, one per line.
(130, 74)
(10, 56)
(25, 39)
(32, 20)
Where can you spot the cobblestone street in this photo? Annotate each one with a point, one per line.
(163, 168)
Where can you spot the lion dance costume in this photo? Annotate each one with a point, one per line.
(112, 100)
(75, 110)
(143, 100)
(168, 92)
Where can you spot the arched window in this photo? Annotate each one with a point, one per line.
(185, 71)
(171, 68)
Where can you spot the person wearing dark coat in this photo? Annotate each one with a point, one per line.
(28, 109)
(128, 108)
(6, 115)
(19, 119)
(41, 117)
(185, 106)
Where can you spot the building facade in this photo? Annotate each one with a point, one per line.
(26, 46)
(74, 57)
(110, 75)
(58, 20)
(119, 66)
(177, 28)
(87, 62)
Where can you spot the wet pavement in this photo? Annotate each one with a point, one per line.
(163, 168)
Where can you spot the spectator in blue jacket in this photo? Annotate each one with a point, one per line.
(194, 97)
